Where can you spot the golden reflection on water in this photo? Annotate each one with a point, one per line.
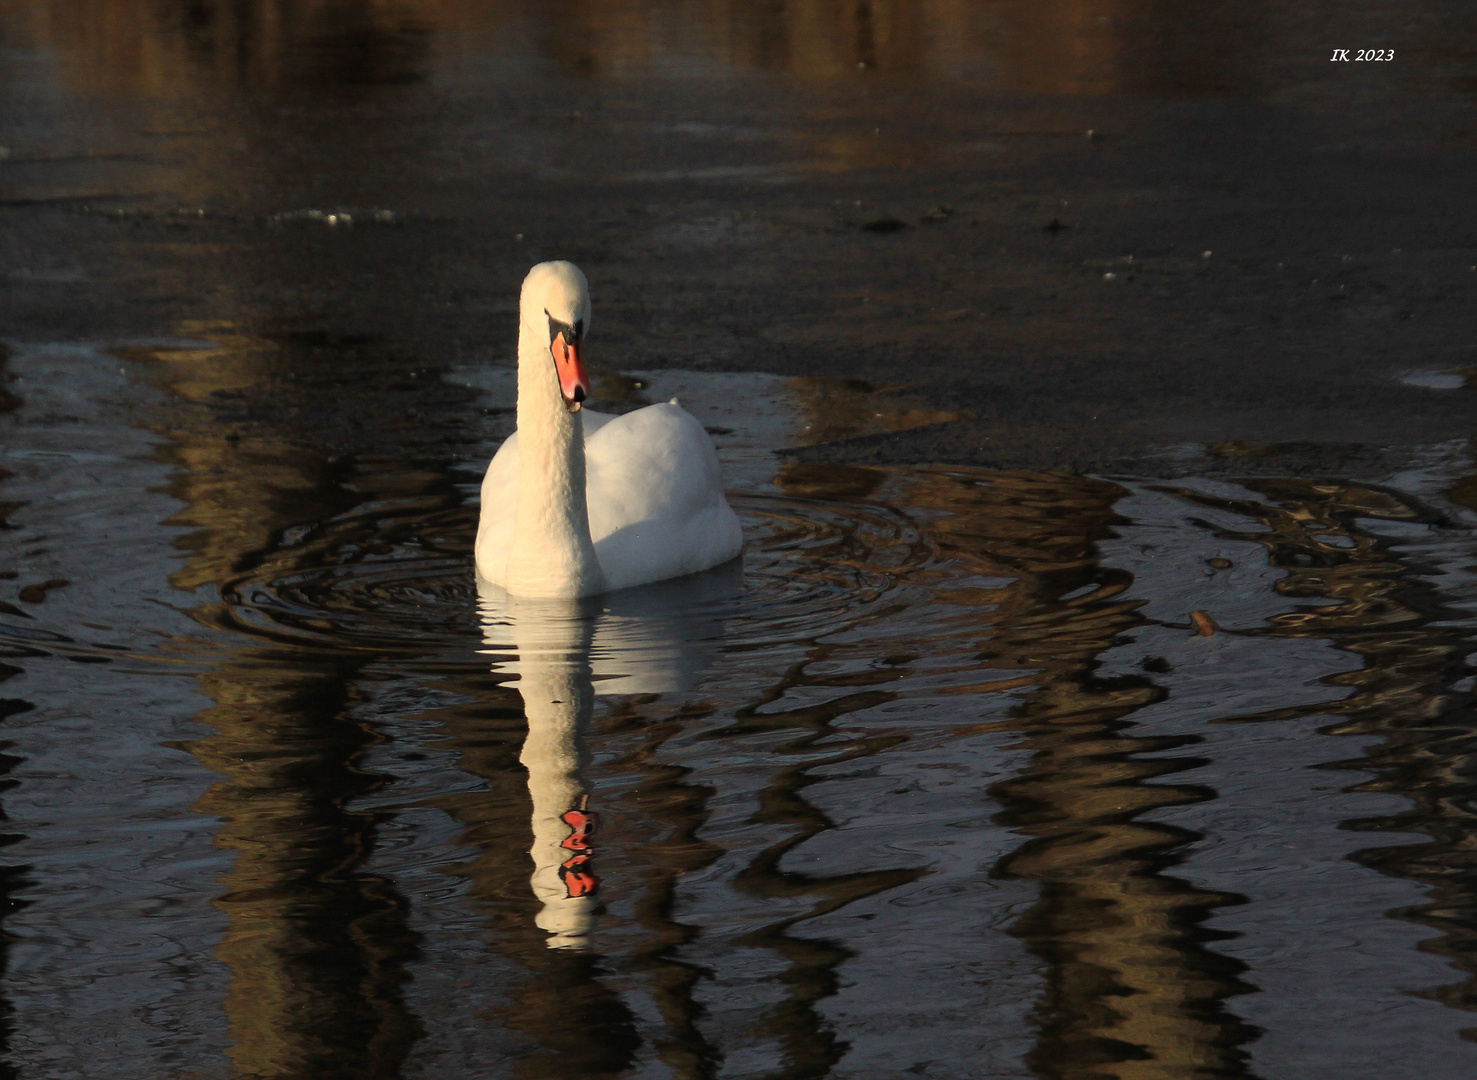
(1050, 47)
(170, 49)
(1402, 694)
(239, 492)
(318, 948)
(1131, 991)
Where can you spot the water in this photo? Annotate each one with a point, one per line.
(944, 780)
(941, 774)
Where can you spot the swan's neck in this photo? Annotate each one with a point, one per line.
(552, 555)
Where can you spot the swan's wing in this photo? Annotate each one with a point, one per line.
(500, 497)
(651, 463)
(656, 499)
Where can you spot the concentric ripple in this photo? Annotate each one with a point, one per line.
(397, 580)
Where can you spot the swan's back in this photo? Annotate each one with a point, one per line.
(654, 494)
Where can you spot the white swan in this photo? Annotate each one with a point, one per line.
(579, 502)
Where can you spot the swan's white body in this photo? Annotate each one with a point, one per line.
(577, 502)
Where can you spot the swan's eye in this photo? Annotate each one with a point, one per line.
(556, 328)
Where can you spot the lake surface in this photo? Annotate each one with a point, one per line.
(1051, 772)
(944, 774)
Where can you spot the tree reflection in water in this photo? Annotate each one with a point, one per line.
(646, 704)
(1413, 644)
(900, 771)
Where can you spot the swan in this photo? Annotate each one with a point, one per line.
(577, 502)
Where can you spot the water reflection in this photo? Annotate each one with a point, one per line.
(653, 640)
(317, 948)
(1358, 544)
(1062, 47)
(948, 761)
(553, 644)
(993, 606)
(1132, 980)
(1133, 986)
(1052, 47)
(175, 47)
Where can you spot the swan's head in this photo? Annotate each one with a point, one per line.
(556, 302)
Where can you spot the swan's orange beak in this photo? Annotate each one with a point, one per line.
(574, 383)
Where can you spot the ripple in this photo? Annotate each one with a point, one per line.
(396, 580)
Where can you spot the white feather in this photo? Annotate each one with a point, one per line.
(653, 491)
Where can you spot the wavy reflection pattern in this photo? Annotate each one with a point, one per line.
(316, 946)
(759, 760)
(1057, 47)
(1397, 569)
(904, 795)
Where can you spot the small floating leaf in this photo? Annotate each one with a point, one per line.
(1204, 625)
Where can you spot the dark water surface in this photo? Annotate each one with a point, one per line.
(1093, 228)
(940, 783)
(943, 781)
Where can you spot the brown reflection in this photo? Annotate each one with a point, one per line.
(810, 1044)
(175, 47)
(836, 409)
(239, 492)
(1403, 694)
(316, 947)
(1131, 989)
(827, 40)
(673, 806)
(1107, 46)
(1051, 47)
(577, 1024)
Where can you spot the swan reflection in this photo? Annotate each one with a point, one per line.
(651, 640)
